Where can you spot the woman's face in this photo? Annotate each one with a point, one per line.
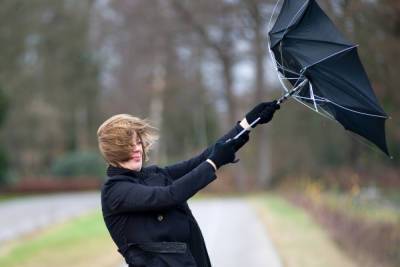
(136, 161)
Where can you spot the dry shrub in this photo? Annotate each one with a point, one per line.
(47, 185)
(369, 243)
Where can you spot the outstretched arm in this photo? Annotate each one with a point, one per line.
(264, 111)
(127, 196)
(181, 168)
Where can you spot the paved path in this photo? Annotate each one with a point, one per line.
(234, 235)
(24, 215)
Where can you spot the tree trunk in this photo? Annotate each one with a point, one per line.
(261, 140)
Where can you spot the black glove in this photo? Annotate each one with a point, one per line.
(224, 152)
(242, 140)
(263, 110)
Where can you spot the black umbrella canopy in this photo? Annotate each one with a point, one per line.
(307, 45)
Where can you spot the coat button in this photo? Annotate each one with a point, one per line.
(160, 218)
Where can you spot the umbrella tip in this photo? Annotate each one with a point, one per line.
(391, 157)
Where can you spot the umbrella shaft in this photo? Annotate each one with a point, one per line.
(290, 93)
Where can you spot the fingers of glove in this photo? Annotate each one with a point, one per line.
(255, 112)
(274, 104)
(244, 138)
(218, 145)
(241, 140)
(266, 116)
(260, 110)
(269, 107)
(268, 111)
(229, 155)
(226, 148)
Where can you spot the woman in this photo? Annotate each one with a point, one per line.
(144, 208)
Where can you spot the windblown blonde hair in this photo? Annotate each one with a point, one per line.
(115, 137)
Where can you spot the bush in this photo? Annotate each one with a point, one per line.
(3, 167)
(80, 163)
(4, 105)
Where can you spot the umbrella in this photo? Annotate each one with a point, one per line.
(320, 68)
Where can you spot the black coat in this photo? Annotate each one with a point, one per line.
(146, 211)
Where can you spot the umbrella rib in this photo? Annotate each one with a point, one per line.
(322, 99)
(330, 56)
(312, 96)
(322, 114)
(288, 70)
(355, 111)
(285, 78)
(273, 12)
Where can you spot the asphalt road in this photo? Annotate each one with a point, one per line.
(234, 234)
(25, 215)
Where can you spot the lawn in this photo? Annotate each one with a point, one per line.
(80, 242)
(299, 240)
(6, 197)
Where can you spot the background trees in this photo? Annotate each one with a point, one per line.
(193, 67)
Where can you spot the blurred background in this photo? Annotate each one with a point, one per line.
(194, 68)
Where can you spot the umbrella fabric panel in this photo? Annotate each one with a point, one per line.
(316, 26)
(372, 128)
(291, 13)
(308, 52)
(289, 61)
(305, 20)
(306, 45)
(313, 38)
(343, 80)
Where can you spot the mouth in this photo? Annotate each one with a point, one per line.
(137, 157)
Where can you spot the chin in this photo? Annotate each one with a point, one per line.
(137, 167)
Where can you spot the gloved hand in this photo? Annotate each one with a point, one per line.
(263, 110)
(242, 140)
(224, 152)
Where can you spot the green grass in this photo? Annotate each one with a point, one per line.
(393, 196)
(299, 240)
(5, 197)
(79, 242)
(11, 196)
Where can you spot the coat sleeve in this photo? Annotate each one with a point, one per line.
(127, 196)
(181, 168)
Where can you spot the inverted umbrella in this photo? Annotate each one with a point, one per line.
(320, 68)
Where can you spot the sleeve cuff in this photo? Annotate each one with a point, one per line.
(245, 125)
(212, 164)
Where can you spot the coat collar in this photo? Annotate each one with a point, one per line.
(113, 171)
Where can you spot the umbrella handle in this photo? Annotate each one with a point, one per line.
(291, 92)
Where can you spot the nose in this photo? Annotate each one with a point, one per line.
(136, 147)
